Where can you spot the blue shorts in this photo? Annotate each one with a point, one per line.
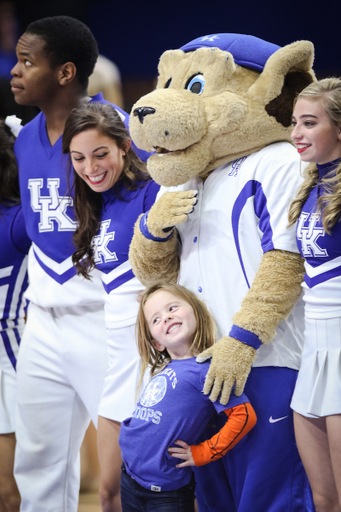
(263, 472)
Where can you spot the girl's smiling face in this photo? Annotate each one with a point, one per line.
(97, 159)
(316, 138)
(172, 323)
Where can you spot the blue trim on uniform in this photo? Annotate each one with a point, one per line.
(123, 278)
(321, 278)
(8, 280)
(17, 335)
(10, 308)
(8, 348)
(24, 286)
(60, 278)
(252, 188)
(147, 234)
(247, 51)
(247, 337)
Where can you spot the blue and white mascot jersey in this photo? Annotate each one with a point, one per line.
(241, 213)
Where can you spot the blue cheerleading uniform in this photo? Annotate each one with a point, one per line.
(241, 214)
(318, 388)
(120, 210)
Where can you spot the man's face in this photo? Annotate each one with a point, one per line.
(34, 82)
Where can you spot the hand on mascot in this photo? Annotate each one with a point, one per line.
(231, 364)
(170, 209)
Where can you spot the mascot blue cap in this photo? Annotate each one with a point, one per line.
(247, 51)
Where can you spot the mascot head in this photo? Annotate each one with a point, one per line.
(218, 98)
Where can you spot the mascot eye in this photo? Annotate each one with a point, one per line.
(196, 84)
(168, 83)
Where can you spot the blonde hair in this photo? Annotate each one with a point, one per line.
(202, 338)
(328, 91)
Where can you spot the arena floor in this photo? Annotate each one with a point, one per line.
(89, 502)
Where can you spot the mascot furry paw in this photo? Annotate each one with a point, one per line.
(219, 125)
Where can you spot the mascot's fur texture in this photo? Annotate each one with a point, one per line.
(194, 129)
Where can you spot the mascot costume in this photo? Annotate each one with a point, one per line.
(219, 125)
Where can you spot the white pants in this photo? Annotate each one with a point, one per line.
(9, 348)
(61, 369)
(119, 393)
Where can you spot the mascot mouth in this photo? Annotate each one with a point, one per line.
(160, 151)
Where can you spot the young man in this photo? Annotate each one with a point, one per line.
(62, 360)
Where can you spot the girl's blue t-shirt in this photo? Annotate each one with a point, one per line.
(171, 407)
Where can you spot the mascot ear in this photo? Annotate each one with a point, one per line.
(286, 73)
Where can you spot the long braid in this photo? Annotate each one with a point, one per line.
(330, 202)
(310, 176)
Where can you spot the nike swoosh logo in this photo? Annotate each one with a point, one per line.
(271, 420)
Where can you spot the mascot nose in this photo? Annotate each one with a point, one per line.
(142, 112)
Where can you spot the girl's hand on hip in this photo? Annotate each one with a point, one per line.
(184, 452)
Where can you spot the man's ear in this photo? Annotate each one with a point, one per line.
(158, 346)
(67, 73)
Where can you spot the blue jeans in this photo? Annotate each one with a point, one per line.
(136, 498)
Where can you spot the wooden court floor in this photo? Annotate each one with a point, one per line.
(89, 502)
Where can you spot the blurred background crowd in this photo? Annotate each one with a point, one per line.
(133, 35)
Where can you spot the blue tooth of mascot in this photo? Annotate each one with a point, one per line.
(219, 123)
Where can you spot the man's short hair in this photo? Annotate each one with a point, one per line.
(67, 40)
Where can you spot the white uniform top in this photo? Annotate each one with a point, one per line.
(242, 212)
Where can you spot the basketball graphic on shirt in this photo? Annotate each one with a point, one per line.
(154, 392)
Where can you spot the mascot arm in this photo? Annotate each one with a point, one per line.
(153, 252)
(273, 294)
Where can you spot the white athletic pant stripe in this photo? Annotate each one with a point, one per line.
(9, 349)
(61, 369)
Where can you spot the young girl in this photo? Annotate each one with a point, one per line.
(111, 189)
(317, 208)
(173, 327)
(13, 283)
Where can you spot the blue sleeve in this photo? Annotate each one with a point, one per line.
(234, 400)
(18, 233)
(262, 212)
(151, 192)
